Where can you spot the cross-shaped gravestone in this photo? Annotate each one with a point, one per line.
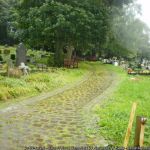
(21, 52)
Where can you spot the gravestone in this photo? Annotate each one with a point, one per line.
(21, 52)
(10, 66)
(10, 63)
(116, 63)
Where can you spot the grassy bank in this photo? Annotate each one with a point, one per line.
(114, 112)
(35, 83)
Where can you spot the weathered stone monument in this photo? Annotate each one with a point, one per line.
(21, 52)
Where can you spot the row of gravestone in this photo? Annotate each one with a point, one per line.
(42, 57)
(21, 55)
(5, 51)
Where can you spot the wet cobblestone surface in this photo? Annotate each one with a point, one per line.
(56, 121)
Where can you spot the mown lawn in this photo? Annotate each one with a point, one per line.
(12, 88)
(115, 111)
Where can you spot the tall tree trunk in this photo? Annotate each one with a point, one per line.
(59, 54)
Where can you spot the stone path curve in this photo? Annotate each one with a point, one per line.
(60, 120)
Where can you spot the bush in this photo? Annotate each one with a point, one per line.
(1, 77)
(13, 88)
(6, 52)
(18, 91)
(31, 55)
(4, 93)
(13, 56)
(38, 77)
(1, 58)
(42, 61)
(51, 60)
(40, 86)
(12, 82)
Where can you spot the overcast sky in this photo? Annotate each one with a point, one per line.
(145, 11)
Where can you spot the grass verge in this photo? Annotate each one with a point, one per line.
(114, 112)
(12, 89)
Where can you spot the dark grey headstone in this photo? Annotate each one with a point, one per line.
(21, 52)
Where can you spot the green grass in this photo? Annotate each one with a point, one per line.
(11, 48)
(11, 88)
(115, 111)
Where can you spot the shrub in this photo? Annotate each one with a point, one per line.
(1, 58)
(40, 86)
(42, 61)
(19, 91)
(1, 77)
(31, 55)
(12, 82)
(6, 51)
(51, 60)
(13, 56)
(38, 77)
(4, 93)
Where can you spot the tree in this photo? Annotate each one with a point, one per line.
(63, 23)
(128, 35)
(7, 19)
(81, 25)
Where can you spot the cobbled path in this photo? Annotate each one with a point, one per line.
(56, 121)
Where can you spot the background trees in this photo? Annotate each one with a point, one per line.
(87, 26)
(128, 35)
(7, 21)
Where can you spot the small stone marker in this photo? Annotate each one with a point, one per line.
(10, 65)
(116, 63)
(20, 54)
